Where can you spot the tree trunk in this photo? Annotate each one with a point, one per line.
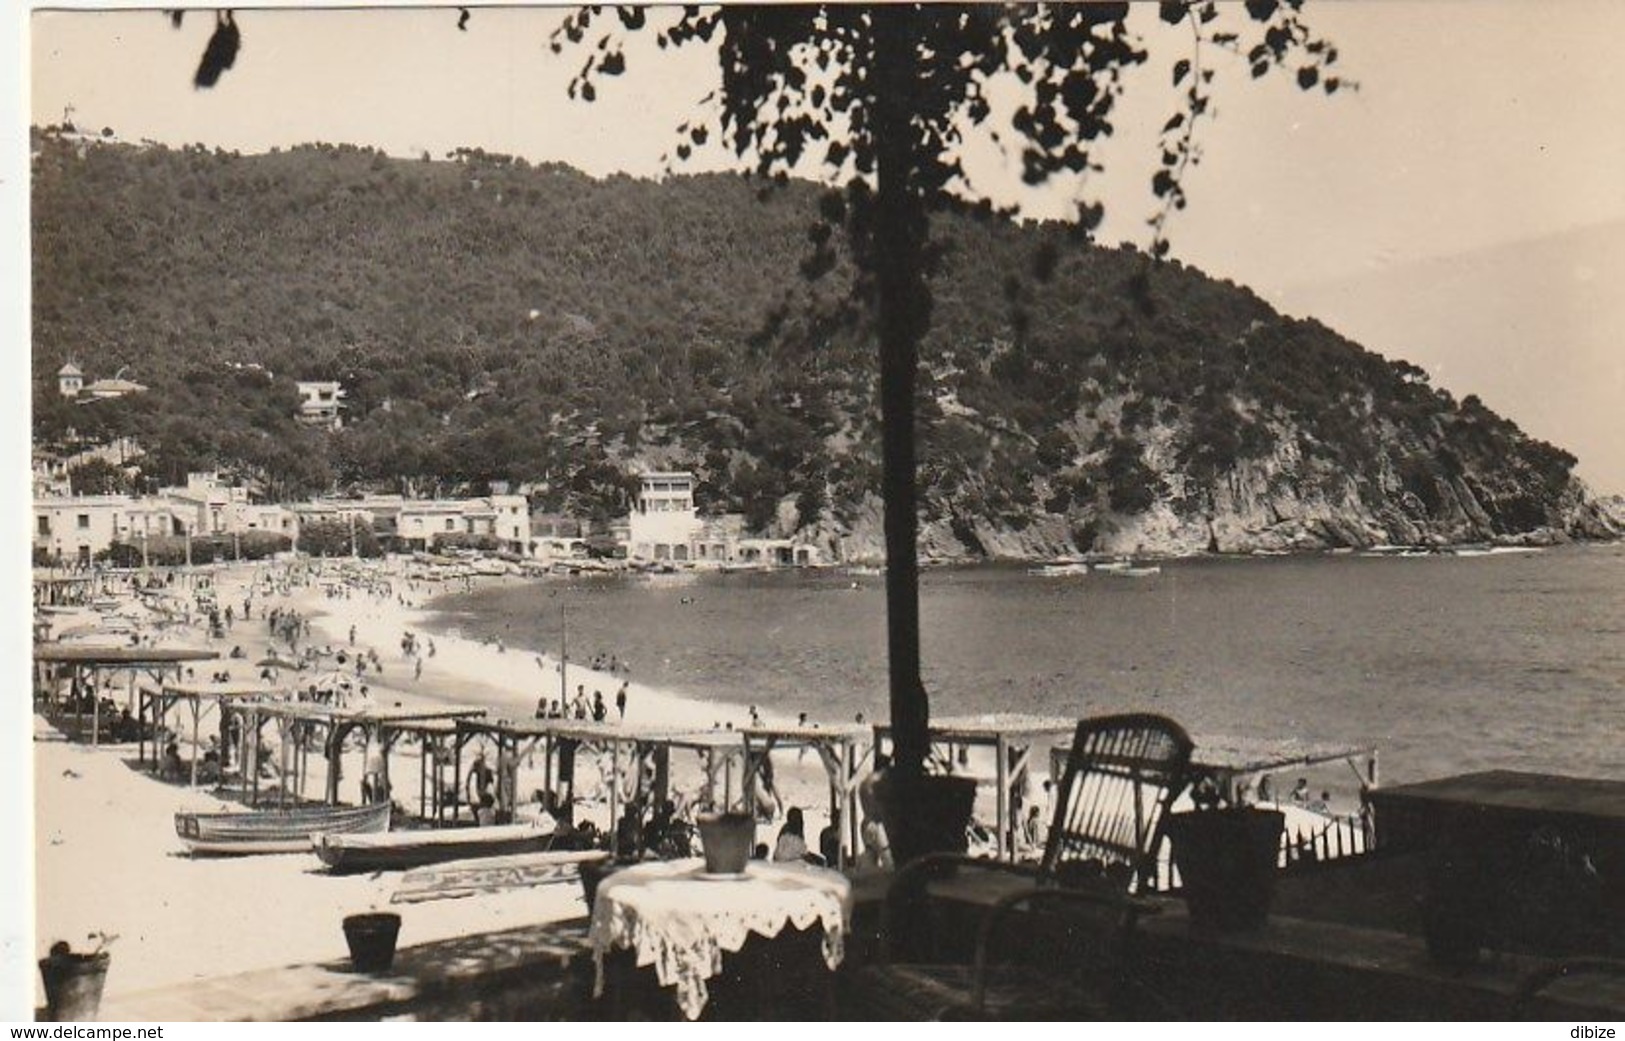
(899, 233)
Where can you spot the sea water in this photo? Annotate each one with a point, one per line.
(1447, 664)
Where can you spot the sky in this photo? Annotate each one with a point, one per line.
(1461, 210)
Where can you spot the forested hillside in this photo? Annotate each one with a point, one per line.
(492, 320)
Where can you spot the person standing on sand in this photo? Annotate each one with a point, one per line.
(620, 700)
(417, 671)
(352, 636)
(599, 709)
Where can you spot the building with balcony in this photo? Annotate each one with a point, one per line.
(663, 524)
(320, 402)
(664, 527)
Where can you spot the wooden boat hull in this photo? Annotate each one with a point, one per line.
(275, 831)
(401, 850)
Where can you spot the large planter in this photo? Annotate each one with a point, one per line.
(726, 840)
(372, 940)
(925, 813)
(1227, 862)
(73, 984)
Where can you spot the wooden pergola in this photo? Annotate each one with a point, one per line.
(86, 663)
(438, 738)
(846, 751)
(1227, 760)
(200, 698)
(435, 728)
(1011, 735)
(297, 720)
(65, 589)
(561, 739)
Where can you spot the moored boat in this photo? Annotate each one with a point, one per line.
(348, 852)
(275, 831)
(1059, 570)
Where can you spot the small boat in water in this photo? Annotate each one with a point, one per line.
(348, 852)
(275, 831)
(1128, 569)
(1060, 570)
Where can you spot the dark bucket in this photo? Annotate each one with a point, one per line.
(1227, 862)
(372, 940)
(73, 985)
(726, 839)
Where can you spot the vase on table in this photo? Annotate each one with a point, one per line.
(726, 840)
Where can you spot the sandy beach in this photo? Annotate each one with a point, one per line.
(108, 860)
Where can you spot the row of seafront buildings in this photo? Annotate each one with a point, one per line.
(663, 527)
(78, 529)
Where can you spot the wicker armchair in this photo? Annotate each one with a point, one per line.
(1123, 773)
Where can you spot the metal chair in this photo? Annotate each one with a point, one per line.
(1123, 773)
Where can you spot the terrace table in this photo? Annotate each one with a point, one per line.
(673, 917)
(1302, 969)
(1497, 834)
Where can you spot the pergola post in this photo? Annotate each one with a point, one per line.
(614, 794)
(425, 763)
(854, 830)
(662, 778)
(547, 772)
(386, 741)
(458, 740)
(193, 704)
(335, 743)
(284, 727)
(96, 727)
(141, 727)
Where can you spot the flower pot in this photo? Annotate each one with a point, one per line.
(372, 940)
(1227, 864)
(73, 985)
(726, 839)
(925, 813)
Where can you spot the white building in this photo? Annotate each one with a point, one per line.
(664, 527)
(76, 529)
(117, 387)
(206, 505)
(664, 524)
(320, 402)
(70, 380)
(70, 383)
(421, 524)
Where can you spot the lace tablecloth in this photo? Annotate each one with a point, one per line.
(681, 922)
